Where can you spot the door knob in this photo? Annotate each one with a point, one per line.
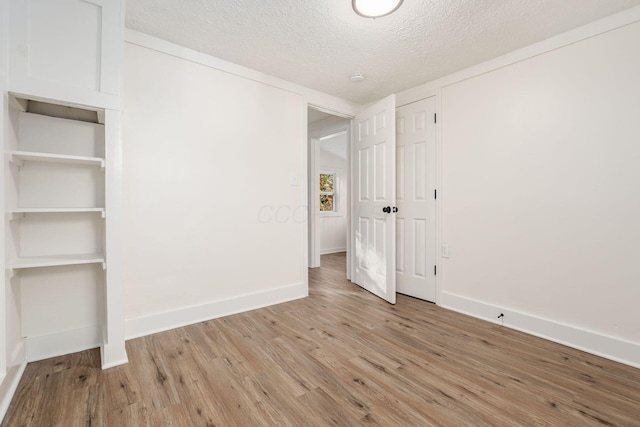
(387, 209)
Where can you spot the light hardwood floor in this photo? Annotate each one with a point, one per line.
(340, 357)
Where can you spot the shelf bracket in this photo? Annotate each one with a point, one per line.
(103, 213)
(11, 158)
(104, 265)
(11, 216)
(19, 103)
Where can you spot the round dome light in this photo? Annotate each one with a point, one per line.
(375, 8)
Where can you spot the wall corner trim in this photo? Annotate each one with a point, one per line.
(615, 349)
(9, 385)
(160, 322)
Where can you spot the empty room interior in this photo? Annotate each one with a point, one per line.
(296, 213)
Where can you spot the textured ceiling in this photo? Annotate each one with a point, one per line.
(319, 44)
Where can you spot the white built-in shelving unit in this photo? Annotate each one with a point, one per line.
(56, 217)
(60, 128)
(58, 174)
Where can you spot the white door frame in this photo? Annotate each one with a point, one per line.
(348, 114)
(314, 215)
(317, 131)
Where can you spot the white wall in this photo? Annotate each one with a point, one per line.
(539, 188)
(3, 136)
(213, 196)
(12, 357)
(333, 225)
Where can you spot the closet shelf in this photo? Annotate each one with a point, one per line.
(57, 260)
(19, 157)
(20, 212)
(54, 210)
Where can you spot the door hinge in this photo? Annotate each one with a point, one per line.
(435, 270)
(435, 118)
(435, 194)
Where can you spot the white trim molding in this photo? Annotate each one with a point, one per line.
(61, 343)
(588, 341)
(9, 385)
(160, 322)
(322, 101)
(333, 250)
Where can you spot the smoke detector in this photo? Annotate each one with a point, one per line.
(357, 77)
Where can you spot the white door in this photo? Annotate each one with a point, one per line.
(415, 192)
(374, 173)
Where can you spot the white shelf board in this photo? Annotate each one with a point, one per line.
(19, 157)
(19, 213)
(57, 260)
(54, 210)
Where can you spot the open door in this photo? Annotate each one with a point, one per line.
(374, 190)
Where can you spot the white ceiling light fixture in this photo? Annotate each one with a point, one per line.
(375, 8)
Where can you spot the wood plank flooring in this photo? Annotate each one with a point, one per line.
(341, 357)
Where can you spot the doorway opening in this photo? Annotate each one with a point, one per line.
(383, 196)
(329, 180)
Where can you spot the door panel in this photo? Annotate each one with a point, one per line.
(374, 180)
(415, 223)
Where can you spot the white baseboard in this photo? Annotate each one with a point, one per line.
(9, 385)
(18, 355)
(154, 323)
(332, 251)
(591, 342)
(58, 344)
(112, 355)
